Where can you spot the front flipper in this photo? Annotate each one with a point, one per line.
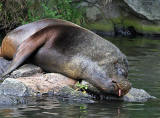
(29, 46)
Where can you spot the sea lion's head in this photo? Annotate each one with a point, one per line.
(116, 86)
(118, 79)
(116, 82)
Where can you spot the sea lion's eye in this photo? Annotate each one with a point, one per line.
(122, 72)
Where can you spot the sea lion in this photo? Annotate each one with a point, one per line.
(71, 50)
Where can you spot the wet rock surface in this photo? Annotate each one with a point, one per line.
(25, 71)
(137, 95)
(44, 83)
(11, 100)
(16, 88)
(113, 9)
(69, 94)
(147, 8)
(4, 64)
(134, 95)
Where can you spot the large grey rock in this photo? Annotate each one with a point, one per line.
(92, 13)
(100, 9)
(137, 95)
(14, 87)
(148, 8)
(13, 90)
(44, 83)
(69, 94)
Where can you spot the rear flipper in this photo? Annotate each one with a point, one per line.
(1, 52)
(23, 52)
(30, 45)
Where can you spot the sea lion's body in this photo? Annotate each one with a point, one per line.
(71, 50)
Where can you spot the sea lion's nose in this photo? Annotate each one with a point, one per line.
(114, 81)
(121, 87)
(115, 84)
(117, 88)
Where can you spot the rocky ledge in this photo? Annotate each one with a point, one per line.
(29, 81)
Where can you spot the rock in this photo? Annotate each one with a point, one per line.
(4, 64)
(147, 8)
(11, 100)
(83, 4)
(67, 93)
(92, 13)
(142, 15)
(101, 10)
(137, 95)
(14, 87)
(43, 83)
(134, 95)
(13, 91)
(114, 9)
(25, 71)
(91, 1)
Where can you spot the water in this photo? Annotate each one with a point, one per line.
(144, 72)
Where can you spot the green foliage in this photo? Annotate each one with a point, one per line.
(81, 87)
(68, 11)
(11, 13)
(62, 9)
(0, 7)
(16, 12)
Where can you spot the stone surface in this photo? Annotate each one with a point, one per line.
(12, 100)
(43, 83)
(67, 93)
(134, 95)
(148, 8)
(114, 9)
(12, 91)
(98, 9)
(92, 13)
(25, 71)
(14, 87)
(143, 15)
(137, 95)
(4, 64)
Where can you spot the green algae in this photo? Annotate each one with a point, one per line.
(139, 25)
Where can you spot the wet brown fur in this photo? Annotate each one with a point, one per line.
(8, 49)
(1, 55)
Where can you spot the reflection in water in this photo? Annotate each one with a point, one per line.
(144, 72)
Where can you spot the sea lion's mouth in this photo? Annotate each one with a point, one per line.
(121, 88)
(119, 92)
